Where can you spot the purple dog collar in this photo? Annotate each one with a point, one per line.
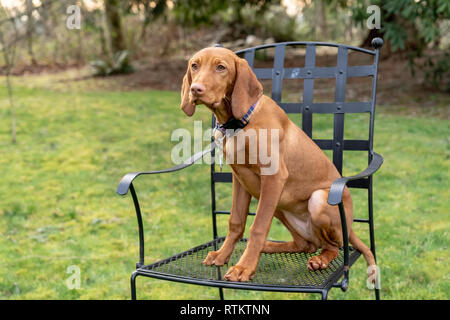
(234, 123)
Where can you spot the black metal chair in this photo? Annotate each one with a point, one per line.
(283, 272)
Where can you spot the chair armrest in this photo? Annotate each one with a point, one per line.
(337, 188)
(126, 181)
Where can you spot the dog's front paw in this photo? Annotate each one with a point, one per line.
(239, 273)
(216, 258)
(317, 263)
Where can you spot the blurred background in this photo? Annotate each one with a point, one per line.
(89, 90)
(152, 34)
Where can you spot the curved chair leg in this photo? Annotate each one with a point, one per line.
(133, 285)
(372, 230)
(324, 295)
(221, 294)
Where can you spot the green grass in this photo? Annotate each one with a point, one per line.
(58, 205)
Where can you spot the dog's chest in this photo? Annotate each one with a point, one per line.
(235, 148)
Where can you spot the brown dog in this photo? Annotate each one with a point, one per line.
(296, 193)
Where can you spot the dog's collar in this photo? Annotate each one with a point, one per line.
(235, 124)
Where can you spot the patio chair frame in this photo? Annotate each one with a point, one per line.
(341, 72)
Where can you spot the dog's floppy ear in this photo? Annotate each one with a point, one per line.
(187, 106)
(247, 89)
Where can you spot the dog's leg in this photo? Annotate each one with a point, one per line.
(326, 218)
(271, 188)
(236, 225)
(297, 245)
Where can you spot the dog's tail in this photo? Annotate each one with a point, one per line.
(368, 255)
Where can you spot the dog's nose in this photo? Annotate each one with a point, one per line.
(197, 89)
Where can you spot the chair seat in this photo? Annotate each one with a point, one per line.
(286, 272)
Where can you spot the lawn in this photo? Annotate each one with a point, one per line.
(58, 206)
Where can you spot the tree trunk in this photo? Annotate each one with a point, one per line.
(11, 104)
(8, 57)
(29, 30)
(323, 19)
(146, 22)
(114, 25)
(103, 47)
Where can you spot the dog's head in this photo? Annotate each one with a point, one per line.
(218, 78)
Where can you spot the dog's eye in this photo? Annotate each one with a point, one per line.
(221, 67)
(194, 66)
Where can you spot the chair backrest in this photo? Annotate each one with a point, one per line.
(339, 107)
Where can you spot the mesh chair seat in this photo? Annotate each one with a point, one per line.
(276, 271)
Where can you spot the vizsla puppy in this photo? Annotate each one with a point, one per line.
(296, 193)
